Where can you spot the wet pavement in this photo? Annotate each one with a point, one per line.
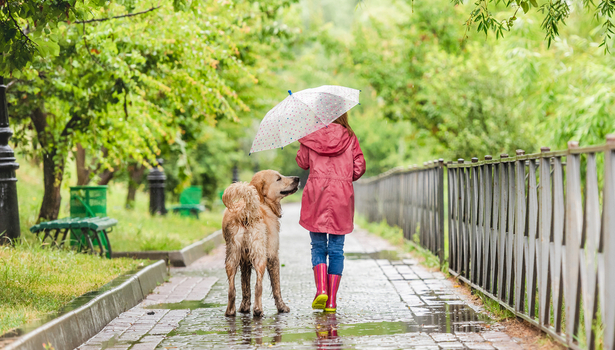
(386, 301)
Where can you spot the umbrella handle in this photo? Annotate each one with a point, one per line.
(290, 92)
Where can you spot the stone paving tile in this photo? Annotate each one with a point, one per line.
(451, 345)
(384, 303)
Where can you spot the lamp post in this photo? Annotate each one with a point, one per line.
(235, 173)
(9, 208)
(156, 179)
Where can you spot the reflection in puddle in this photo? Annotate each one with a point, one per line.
(449, 318)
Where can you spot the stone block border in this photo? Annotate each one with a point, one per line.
(179, 258)
(80, 324)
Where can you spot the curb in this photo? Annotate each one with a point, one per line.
(80, 324)
(179, 258)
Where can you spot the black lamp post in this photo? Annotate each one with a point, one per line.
(235, 173)
(157, 179)
(9, 208)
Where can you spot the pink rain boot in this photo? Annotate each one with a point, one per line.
(320, 276)
(334, 284)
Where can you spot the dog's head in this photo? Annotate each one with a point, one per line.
(272, 187)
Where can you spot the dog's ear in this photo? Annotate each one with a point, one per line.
(258, 181)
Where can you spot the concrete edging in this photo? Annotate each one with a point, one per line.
(179, 258)
(77, 326)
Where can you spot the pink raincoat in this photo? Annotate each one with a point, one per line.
(335, 160)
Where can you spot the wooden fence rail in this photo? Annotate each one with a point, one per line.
(534, 232)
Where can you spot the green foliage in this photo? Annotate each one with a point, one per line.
(129, 98)
(554, 13)
(460, 98)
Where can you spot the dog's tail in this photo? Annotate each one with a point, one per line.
(243, 200)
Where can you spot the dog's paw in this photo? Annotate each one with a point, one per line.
(283, 309)
(229, 312)
(244, 309)
(258, 313)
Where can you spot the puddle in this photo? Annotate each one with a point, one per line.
(449, 318)
(186, 304)
(382, 254)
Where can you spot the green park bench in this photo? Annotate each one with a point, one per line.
(190, 202)
(86, 230)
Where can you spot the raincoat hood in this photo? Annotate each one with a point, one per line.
(330, 141)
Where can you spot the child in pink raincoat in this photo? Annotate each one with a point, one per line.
(335, 160)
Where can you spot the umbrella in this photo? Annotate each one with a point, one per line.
(301, 114)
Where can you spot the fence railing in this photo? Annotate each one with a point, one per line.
(534, 232)
(410, 198)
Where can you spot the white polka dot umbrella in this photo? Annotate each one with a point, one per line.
(301, 114)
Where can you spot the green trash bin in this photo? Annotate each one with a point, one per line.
(88, 201)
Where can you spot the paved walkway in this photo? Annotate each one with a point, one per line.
(386, 301)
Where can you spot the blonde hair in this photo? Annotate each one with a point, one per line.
(343, 121)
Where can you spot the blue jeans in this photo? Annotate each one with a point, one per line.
(334, 248)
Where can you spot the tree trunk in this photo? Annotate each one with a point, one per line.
(106, 177)
(53, 173)
(107, 174)
(83, 173)
(136, 172)
(53, 169)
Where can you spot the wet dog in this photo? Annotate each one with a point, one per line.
(251, 226)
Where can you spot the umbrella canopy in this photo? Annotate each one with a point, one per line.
(302, 113)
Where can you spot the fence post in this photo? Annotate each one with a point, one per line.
(574, 221)
(608, 236)
(544, 236)
(519, 232)
(440, 207)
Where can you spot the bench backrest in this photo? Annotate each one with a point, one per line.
(191, 195)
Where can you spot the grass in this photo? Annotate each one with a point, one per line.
(498, 312)
(36, 281)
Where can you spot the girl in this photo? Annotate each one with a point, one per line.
(335, 160)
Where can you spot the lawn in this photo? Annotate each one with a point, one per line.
(35, 281)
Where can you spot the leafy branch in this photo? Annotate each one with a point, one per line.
(556, 13)
(606, 8)
(120, 16)
(23, 34)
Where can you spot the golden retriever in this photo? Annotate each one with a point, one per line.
(251, 229)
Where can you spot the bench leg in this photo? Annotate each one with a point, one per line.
(97, 241)
(61, 245)
(46, 234)
(107, 243)
(90, 246)
(55, 238)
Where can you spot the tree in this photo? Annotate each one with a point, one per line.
(129, 94)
